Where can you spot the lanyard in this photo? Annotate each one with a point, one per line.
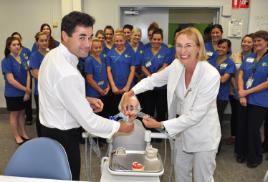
(256, 63)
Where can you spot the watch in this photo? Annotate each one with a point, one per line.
(162, 127)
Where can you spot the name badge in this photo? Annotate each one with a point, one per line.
(209, 54)
(223, 66)
(250, 60)
(148, 64)
(100, 82)
(249, 82)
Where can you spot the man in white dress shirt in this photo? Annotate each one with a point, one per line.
(63, 104)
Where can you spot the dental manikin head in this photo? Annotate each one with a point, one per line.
(135, 139)
(132, 108)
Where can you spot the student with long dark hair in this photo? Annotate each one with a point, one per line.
(52, 43)
(17, 87)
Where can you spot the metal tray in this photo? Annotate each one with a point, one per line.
(121, 164)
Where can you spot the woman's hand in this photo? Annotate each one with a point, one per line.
(125, 89)
(28, 90)
(151, 123)
(116, 90)
(95, 104)
(26, 97)
(243, 93)
(243, 101)
(106, 90)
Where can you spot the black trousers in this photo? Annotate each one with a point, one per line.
(265, 142)
(28, 107)
(29, 110)
(221, 106)
(69, 139)
(234, 109)
(248, 138)
(37, 121)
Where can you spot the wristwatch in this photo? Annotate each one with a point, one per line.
(162, 127)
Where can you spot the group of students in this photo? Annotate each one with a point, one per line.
(118, 59)
(244, 84)
(18, 67)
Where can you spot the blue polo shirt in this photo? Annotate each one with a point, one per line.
(153, 62)
(36, 59)
(120, 65)
(227, 66)
(259, 72)
(211, 52)
(98, 71)
(19, 71)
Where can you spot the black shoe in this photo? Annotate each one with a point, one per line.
(253, 165)
(240, 159)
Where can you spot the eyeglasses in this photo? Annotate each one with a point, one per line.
(186, 46)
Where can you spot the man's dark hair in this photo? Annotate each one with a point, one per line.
(76, 18)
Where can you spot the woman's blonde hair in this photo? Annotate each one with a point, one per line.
(119, 32)
(95, 39)
(197, 37)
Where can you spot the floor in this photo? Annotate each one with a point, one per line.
(227, 169)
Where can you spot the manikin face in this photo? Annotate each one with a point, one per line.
(80, 42)
(132, 109)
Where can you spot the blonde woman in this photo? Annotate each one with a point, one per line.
(192, 89)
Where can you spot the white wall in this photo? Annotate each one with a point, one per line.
(26, 16)
(108, 12)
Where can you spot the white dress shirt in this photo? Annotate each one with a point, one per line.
(62, 97)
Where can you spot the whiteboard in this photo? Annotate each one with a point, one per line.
(258, 15)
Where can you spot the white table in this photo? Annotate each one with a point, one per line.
(23, 179)
(107, 177)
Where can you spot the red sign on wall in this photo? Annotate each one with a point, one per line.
(244, 4)
(236, 4)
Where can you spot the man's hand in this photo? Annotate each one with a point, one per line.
(126, 127)
(151, 123)
(95, 104)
